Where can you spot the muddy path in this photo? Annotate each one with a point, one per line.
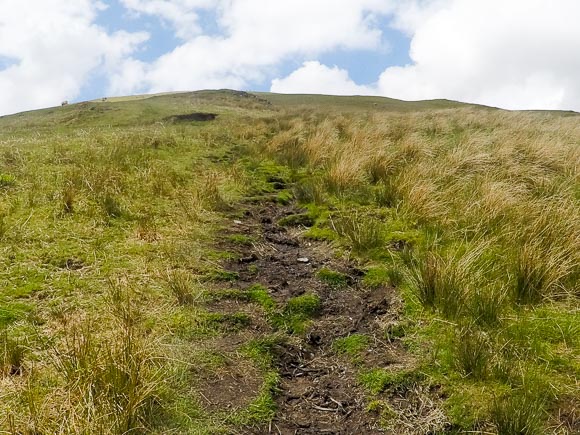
(319, 392)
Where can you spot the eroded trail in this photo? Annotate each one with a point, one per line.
(318, 392)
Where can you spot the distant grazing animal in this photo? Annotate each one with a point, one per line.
(104, 99)
(64, 103)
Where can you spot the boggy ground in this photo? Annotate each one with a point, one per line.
(318, 391)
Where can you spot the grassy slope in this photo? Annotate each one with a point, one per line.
(144, 109)
(93, 218)
(129, 112)
(104, 203)
(355, 103)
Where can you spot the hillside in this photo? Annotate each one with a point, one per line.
(231, 262)
(125, 111)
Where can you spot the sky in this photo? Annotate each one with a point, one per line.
(514, 54)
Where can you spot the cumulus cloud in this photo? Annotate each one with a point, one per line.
(315, 78)
(514, 54)
(54, 46)
(182, 15)
(517, 54)
(256, 35)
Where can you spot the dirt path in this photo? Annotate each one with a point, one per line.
(318, 390)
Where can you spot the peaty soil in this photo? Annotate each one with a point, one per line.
(318, 392)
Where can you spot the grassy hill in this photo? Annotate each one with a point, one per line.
(144, 109)
(293, 264)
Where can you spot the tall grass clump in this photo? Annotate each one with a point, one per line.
(345, 174)
(112, 381)
(487, 303)
(520, 412)
(362, 231)
(446, 281)
(472, 352)
(68, 197)
(424, 275)
(181, 285)
(310, 189)
(547, 256)
(112, 386)
(288, 148)
(12, 353)
(210, 193)
(534, 274)
(111, 206)
(4, 226)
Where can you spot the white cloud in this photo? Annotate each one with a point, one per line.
(54, 46)
(512, 54)
(256, 36)
(180, 14)
(517, 54)
(315, 78)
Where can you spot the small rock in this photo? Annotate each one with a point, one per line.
(237, 222)
(303, 260)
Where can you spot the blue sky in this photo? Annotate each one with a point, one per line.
(364, 66)
(520, 54)
(117, 18)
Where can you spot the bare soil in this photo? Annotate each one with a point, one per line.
(319, 392)
(237, 383)
(195, 116)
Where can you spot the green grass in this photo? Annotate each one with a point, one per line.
(295, 316)
(316, 233)
(12, 311)
(306, 305)
(378, 276)
(240, 239)
(263, 408)
(222, 275)
(112, 212)
(12, 355)
(378, 380)
(323, 102)
(519, 413)
(352, 345)
(256, 293)
(332, 278)
(477, 237)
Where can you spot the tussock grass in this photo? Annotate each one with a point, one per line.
(182, 286)
(362, 231)
(13, 353)
(472, 352)
(520, 412)
(471, 213)
(491, 200)
(448, 281)
(84, 352)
